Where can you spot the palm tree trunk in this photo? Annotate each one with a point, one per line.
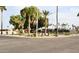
(45, 25)
(37, 25)
(1, 21)
(45, 30)
(29, 26)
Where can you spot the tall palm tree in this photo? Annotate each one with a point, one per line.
(31, 12)
(45, 13)
(2, 8)
(24, 13)
(28, 12)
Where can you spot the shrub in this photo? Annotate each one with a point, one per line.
(61, 30)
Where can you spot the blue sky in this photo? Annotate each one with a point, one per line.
(67, 14)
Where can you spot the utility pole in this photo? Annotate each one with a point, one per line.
(56, 21)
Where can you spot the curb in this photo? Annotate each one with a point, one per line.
(60, 36)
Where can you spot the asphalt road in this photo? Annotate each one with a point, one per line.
(49, 45)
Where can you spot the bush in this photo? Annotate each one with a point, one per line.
(61, 30)
(67, 33)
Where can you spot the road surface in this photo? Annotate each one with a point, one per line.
(49, 45)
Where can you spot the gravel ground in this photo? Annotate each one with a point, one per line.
(41, 45)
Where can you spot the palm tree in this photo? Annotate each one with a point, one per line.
(2, 8)
(37, 25)
(45, 13)
(32, 11)
(28, 12)
(24, 13)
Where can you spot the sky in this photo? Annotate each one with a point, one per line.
(67, 14)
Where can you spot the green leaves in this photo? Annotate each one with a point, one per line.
(34, 13)
(15, 20)
(45, 13)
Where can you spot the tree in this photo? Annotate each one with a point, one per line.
(31, 18)
(24, 15)
(2, 8)
(30, 13)
(45, 13)
(16, 21)
(41, 21)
